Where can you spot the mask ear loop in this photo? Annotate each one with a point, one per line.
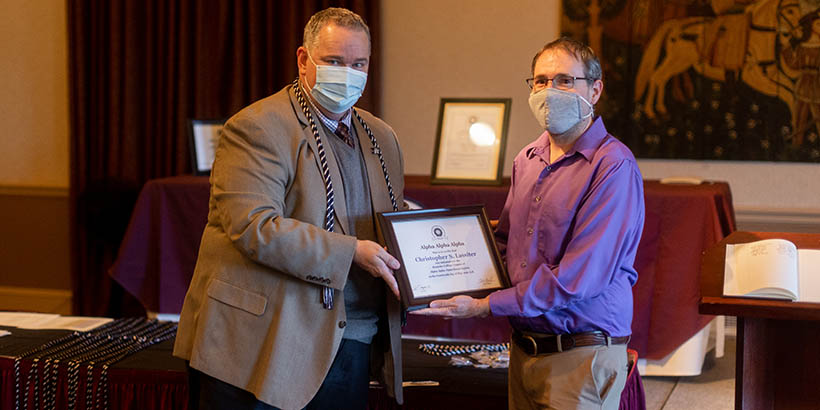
(315, 65)
(310, 57)
(591, 107)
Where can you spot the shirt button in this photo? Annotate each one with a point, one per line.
(523, 264)
(538, 198)
(342, 324)
(529, 231)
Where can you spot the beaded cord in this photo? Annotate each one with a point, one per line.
(138, 343)
(451, 350)
(105, 345)
(31, 352)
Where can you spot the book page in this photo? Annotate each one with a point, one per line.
(24, 320)
(79, 323)
(766, 269)
(809, 267)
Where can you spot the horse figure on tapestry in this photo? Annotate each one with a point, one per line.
(746, 42)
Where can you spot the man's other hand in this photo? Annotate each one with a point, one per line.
(371, 257)
(457, 307)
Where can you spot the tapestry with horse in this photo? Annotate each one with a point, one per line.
(707, 79)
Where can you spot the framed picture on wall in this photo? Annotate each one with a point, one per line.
(204, 134)
(470, 141)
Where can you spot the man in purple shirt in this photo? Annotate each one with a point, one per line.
(569, 232)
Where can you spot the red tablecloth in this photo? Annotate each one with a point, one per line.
(682, 222)
(158, 254)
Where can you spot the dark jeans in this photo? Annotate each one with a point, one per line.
(344, 387)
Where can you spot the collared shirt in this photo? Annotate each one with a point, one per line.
(330, 123)
(570, 231)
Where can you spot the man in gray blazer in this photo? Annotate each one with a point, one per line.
(293, 304)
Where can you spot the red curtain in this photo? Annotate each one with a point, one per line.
(139, 69)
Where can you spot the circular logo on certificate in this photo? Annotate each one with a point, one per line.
(438, 232)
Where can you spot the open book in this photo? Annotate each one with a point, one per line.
(773, 269)
(25, 320)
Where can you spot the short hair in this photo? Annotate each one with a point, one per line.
(332, 15)
(584, 54)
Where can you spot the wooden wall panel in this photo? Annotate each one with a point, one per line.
(35, 238)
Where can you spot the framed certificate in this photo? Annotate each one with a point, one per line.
(203, 137)
(443, 253)
(470, 141)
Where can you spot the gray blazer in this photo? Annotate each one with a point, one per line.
(252, 316)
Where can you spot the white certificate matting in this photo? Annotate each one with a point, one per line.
(445, 255)
(206, 137)
(459, 154)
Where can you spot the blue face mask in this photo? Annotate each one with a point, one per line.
(337, 88)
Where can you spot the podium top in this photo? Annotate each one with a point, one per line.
(713, 302)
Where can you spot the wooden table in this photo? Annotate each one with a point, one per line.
(778, 342)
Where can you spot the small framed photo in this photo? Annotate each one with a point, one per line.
(443, 253)
(470, 141)
(204, 135)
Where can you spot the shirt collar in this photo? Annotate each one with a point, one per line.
(586, 145)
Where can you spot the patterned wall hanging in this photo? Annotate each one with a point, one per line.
(699, 79)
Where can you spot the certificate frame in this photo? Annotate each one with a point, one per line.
(464, 157)
(474, 218)
(203, 135)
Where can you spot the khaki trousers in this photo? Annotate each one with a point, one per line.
(590, 377)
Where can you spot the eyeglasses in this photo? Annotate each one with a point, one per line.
(560, 81)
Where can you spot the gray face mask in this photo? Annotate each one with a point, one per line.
(557, 111)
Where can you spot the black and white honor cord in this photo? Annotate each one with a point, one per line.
(100, 347)
(63, 343)
(452, 350)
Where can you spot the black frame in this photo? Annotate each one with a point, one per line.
(193, 142)
(506, 102)
(387, 236)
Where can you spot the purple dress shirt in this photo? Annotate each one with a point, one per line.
(569, 232)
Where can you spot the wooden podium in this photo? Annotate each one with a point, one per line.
(778, 342)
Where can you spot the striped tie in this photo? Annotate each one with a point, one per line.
(344, 133)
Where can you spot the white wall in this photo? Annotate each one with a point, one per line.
(775, 185)
(34, 93)
(446, 48)
(483, 48)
